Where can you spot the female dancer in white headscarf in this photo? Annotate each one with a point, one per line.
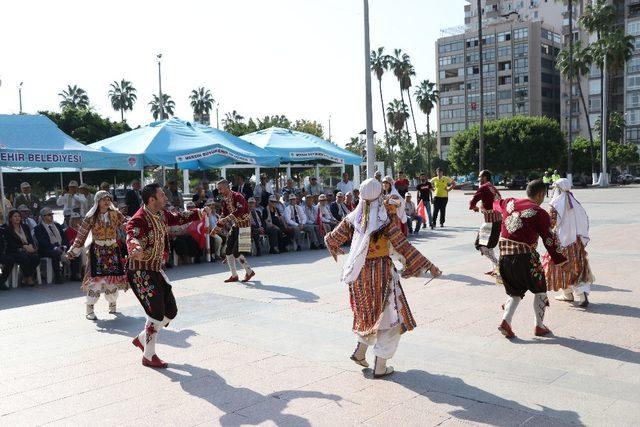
(571, 223)
(394, 203)
(380, 310)
(105, 271)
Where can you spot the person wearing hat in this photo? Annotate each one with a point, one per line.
(71, 200)
(314, 188)
(235, 213)
(26, 217)
(338, 208)
(105, 273)
(296, 219)
(381, 313)
(276, 227)
(314, 222)
(348, 201)
(326, 217)
(85, 190)
(132, 198)
(412, 214)
(378, 176)
(27, 198)
(52, 242)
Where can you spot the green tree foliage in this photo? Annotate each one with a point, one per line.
(616, 128)
(359, 146)
(236, 124)
(122, 96)
(408, 154)
(580, 155)
(512, 144)
(622, 154)
(201, 101)
(86, 126)
(74, 98)
(168, 107)
(309, 126)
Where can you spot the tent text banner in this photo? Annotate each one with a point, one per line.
(314, 155)
(214, 152)
(39, 158)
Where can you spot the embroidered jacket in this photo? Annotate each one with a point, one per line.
(235, 211)
(525, 222)
(99, 228)
(487, 194)
(148, 232)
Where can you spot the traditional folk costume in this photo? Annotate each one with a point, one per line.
(520, 267)
(147, 232)
(105, 272)
(489, 232)
(571, 224)
(235, 213)
(380, 310)
(395, 205)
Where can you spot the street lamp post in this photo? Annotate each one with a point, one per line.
(217, 116)
(20, 96)
(569, 160)
(160, 100)
(481, 88)
(371, 152)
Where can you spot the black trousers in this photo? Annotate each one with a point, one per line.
(439, 207)
(154, 293)
(55, 261)
(522, 273)
(186, 246)
(27, 262)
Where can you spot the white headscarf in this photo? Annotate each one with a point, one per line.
(368, 217)
(573, 221)
(96, 203)
(396, 199)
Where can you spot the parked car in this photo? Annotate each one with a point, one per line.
(579, 181)
(516, 183)
(625, 178)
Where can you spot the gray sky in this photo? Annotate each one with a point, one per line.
(301, 58)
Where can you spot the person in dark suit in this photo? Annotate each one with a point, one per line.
(19, 249)
(275, 227)
(338, 208)
(132, 198)
(243, 188)
(52, 242)
(27, 198)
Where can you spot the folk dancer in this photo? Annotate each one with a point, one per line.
(524, 222)
(147, 243)
(234, 212)
(395, 204)
(489, 232)
(571, 224)
(105, 272)
(380, 310)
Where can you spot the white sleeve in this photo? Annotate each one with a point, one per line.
(287, 216)
(303, 216)
(62, 200)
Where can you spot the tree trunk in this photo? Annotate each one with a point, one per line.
(402, 98)
(428, 147)
(586, 113)
(384, 119)
(415, 128)
(122, 115)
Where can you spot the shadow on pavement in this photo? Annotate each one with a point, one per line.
(39, 294)
(453, 391)
(296, 294)
(604, 288)
(211, 387)
(463, 278)
(131, 326)
(614, 309)
(599, 349)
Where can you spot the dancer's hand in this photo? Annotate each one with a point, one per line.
(70, 254)
(435, 271)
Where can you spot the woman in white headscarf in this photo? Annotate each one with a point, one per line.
(380, 310)
(394, 203)
(571, 223)
(105, 272)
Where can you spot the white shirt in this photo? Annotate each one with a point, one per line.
(345, 187)
(289, 216)
(68, 201)
(311, 212)
(325, 214)
(410, 208)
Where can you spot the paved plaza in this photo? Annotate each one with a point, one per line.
(275, 352)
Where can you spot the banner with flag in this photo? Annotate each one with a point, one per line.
(198, 230)
(422, 211)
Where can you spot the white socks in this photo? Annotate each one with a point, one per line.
(489, 253)
(510, 308)
(540, 304)
(151, 330)
(245, 264)
(231, 262)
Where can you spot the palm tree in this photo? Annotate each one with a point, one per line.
(427, 96)
(74, 97)
(399, 63)
(579, 67)
(168, 106)
(408, 72)
(397, 115)
(379, 64)
(122, 96)
(202, 102)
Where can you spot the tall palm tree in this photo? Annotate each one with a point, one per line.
(408, 72)
(168, 106)
(202, 102)
(427, 96)
(399, 64)
(379, 64)
(122, 96)
(74, 97)
(576, 69)
(397, 115)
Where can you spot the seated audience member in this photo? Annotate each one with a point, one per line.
(312, 226)
(356, 196)
(182, 242)
(329, 222)
(243, 187)
(75, 221)
(258, 227)
(314, 188)
(338, 208)
(275, 226)
(52, 242)
(296, 219)
(412, 214)
(348, 201)
(26, 217)
(288, 190)
(261, 191)
(200, 197)
(20, 249)
(28, 199)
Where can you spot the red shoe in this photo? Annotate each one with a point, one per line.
(231, 279)
(137, 343)
(155, 362)
(505, 329)
(540, 332)
(248, 277)
(491, 273)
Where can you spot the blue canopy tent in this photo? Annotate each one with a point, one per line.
(34, 143)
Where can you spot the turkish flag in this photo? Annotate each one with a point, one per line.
(319, 223)
(422, 211)
(198, 230)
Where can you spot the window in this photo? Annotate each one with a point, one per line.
(452, 114)
(454, 72)
(546, 49)
(451, 46)
(522, 108)
(521, 79)
(545, 92)
(521, 93)
(520, 33)
(473, 70)
(504, 94)
(472, 42)
(547, 63)
(490, 39)
(595, 101)
(633, 66)
(633, 100)
(504, 37)
(633, 82)
(594, 87)
(452, 127)
(520, 50)
(451, 100)
(451, 87)
(594, 71)
(633, 135)
(448, 60)
(633, 117)
(488, 68)
(504, 80)
(546, 78)
(633, 28)
(505, 109)
(505, 65)
(473, 85)
(504, 51)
